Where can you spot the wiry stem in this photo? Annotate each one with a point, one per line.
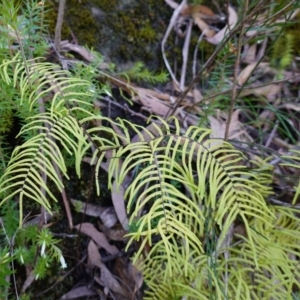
(60, 19)
(236, 71)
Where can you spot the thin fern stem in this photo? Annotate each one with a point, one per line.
(236, 71)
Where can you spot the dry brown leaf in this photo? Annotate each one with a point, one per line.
(293, 76)
(293, 106)
(82, 291)
(130, 275)
(117, 195)
(90, 209)
(157, 94)
(120, 133)
(249, 53)
(197, 95)
(218, 130)
(203, 26)
(136, 275)
(106, 279)
(204, 13)
(94, 255)
(83, 52)
(198, 9)
(98, 237)
(29, 280)
(232, 20)
(218, 127)
(154, 104)
(246, 72)
(269, 91)
(109, 217)
(116, 233)
(106, 214)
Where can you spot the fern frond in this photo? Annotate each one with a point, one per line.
(295, 158)
(282, 51)
(139, 73)
(213, 177)
(38, 79)
(37, 156)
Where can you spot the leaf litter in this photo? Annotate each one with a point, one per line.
(257, 82)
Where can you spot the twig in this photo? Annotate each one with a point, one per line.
(236, 71)
(57, 171)
(7, 278)
(281, 203)
(62, 277)
(272, 134)
(59, 22)
(196, 52)
(240, 88)
(210, 61)
(185, 54)
(175, 15)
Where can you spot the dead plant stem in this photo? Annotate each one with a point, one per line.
(212, 59)
(236, 72)
(59, 22)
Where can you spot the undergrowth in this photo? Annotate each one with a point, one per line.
(200, 205)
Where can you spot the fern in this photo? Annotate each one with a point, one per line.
(282, 51)
(211, 173)
(139, 73)
(192, 221)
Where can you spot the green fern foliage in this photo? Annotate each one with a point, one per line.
(294, 162)
(282, 51)
(139, 73)
(188, 194)
(40, 153)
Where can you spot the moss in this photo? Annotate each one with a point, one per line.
(122, 32)
(105, 5)
(125, 31)
(78, 22)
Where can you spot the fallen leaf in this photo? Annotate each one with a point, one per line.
(232, 20)
(83, 52)
(248, 71)
(147, 134)
(218, 126)
(130, 275)
(109, 217)
(203, 26)
(82, 291)
(106, 279)
(249, 53)
(136, 275)
(117, 196)
(29, 280)
(98, 237)
(116, 233)
(269, 91)
(90, 209)
(293, 106)
(106, 214)
(152, 103)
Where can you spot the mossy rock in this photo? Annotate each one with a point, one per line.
(123, 31)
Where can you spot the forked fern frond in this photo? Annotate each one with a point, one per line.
(36, 158)
(38, 79)
(186, 197)
(295, 158)
(212, 176)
